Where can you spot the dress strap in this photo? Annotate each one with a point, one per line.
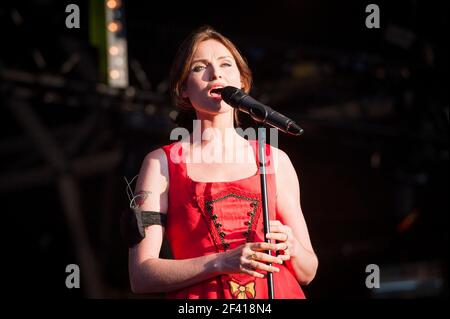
(175, 161)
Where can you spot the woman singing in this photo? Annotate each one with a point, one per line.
(210, 210)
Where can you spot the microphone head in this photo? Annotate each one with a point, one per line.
(295, 129)
(260, 113)
(232, 95)
(229, 90)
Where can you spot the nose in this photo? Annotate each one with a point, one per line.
(216, 72)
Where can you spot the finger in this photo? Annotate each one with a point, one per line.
(265, 258)
(284, 256)
(278, 229)
(252, 272)
(275, 223)
(262, 246)
(277, 236)
(261, 266)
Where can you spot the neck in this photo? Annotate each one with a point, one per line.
(215, 130)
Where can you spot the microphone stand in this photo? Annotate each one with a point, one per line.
(260, 113)
(265, 206)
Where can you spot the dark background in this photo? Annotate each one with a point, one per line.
(373, 162)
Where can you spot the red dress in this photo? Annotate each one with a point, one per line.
(206, 218)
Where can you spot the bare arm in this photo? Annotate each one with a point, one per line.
(152, 274)
(291, 228)
(149, 273)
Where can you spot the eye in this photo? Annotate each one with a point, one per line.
(198, 68)
(226, 64)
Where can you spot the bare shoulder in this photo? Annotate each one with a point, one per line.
(281, 159)
(156, 163)
(285, 173)
(153, 179)
(156, 157)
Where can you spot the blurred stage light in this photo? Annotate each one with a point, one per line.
(114, 74)
(114, 27)
(113, 4)
(117, 59)
(421, 279)
(113, 50)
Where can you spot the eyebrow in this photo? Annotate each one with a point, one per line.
(206, 60)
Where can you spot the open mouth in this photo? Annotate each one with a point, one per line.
(215, 92)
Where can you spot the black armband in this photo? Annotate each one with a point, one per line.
(134, 221)
(153, 218)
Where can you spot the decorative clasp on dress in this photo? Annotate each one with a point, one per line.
(246, 291)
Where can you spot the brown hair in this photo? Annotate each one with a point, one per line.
(182, 62)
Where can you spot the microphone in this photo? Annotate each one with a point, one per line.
(258, 111)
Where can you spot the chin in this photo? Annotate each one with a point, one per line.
(217, 107)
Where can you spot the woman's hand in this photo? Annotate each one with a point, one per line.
(283, 234)
(250, 259)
